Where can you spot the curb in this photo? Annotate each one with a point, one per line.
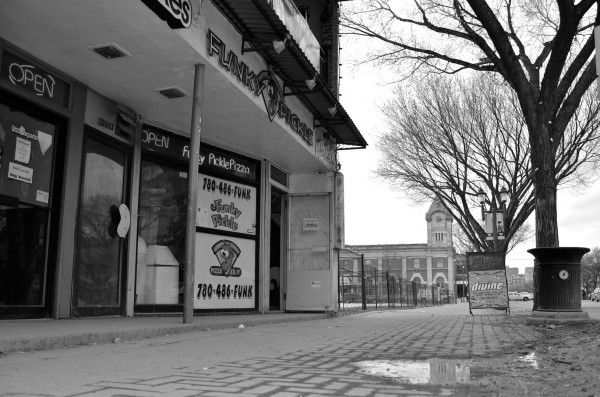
(23, 344)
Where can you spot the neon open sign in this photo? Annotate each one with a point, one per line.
(26, 74)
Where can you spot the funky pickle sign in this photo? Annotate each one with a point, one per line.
(263, 84)
(226, 205)
(488, 286)
(224, 276)
(175, 147)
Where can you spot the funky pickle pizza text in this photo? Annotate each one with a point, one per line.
(226, 189)
(224, 291)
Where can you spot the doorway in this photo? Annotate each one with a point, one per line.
(276, 251)
(30, 142)
(99, 270)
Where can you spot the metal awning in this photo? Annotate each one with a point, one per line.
(259, 25)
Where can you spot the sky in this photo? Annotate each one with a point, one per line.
(375, 214)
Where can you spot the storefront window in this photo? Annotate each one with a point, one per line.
(161, 245)
(22, 255)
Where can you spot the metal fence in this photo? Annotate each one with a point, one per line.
(386, 288)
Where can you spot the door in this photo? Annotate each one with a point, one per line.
(276, 249)
(99, 270)
(309, 275)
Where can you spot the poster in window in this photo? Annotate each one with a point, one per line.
(26, 157)
(225, 205)
(225, 272)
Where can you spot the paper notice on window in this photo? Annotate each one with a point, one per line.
(20, 172)
(201, 216)
(23, 150)
(42, 196)
(45, 141)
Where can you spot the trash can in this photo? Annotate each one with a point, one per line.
(559, 282)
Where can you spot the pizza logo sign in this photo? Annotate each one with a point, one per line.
(271, 92)
(227, 253)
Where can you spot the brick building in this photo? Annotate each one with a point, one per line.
(431, 263)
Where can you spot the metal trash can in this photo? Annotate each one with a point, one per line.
(559, 282)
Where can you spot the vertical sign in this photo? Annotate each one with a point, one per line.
(597, 44)
(488, 287)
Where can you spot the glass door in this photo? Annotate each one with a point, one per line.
(99, 271)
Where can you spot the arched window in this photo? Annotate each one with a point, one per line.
(440, 282)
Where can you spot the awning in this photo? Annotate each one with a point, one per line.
(259, 25)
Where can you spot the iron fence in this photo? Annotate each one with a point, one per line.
(386, 288)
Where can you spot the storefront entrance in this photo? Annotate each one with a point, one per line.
(28, 144)
(99, 270)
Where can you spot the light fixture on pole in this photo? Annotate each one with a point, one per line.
(503, 196)
(311, 83)
(279, 45)
(481, 196)
(332, 110)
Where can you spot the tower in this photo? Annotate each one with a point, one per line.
(439, 225)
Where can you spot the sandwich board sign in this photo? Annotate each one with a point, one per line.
(488, 286)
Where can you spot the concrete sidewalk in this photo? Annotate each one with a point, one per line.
(41, 334)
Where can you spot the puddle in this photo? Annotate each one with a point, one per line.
(433, 372)
(531, 360)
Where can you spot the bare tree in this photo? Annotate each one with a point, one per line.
(543, 49)
(462, 244)
(451, 137)
(590, 270)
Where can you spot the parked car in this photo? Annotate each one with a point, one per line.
(351, 297)
(595, 296)
(520, 296)
(525, 296)
(373, 299)
(514, 296)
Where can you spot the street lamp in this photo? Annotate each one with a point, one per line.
(494, 218)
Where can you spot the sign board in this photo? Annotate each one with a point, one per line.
(165, 144)
(226, 206)
(488, 286)
(310, 224)
(225, 272)
(177, 13)
(489, 224)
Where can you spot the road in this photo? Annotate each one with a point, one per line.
(321, 357)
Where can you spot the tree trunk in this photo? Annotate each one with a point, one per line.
(544, 182)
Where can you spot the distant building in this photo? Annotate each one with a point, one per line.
(511, 271)
(529, 275)
(516, 282)
(430, 263)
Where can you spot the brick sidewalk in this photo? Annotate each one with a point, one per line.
(313, 358)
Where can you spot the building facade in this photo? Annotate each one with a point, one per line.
(100, 102)
(431, 263)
